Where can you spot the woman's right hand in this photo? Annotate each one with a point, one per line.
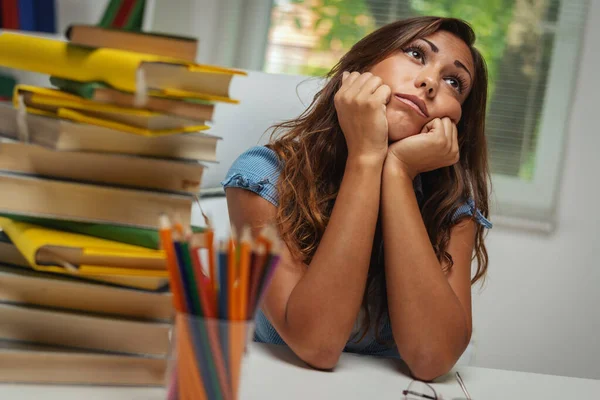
(361, 110)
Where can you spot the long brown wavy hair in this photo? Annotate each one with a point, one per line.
(313, 154)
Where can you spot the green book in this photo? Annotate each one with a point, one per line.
(7, 86)
(143, 237)
(4, 238)
(81, 89)
(117, 8)
(87, 90)
(136, 17)
(110, 13)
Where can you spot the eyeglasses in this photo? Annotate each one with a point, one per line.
(418, 390)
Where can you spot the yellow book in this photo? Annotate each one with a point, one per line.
(120, 69)
(51, 102)
(64, 252)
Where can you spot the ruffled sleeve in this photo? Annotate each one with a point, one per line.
(256, 170)
(468, 209)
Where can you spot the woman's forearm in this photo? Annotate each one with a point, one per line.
(324, 305)
(428, 321)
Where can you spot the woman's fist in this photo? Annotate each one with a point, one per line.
(435, 147)
(361, 110)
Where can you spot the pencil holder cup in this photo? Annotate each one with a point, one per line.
(206, 358)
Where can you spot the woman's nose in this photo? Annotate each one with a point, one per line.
(428, 83)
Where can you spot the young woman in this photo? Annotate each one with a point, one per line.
(380, 192)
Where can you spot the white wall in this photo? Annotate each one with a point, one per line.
(76, 11)
(539, 310)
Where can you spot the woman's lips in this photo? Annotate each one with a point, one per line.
(411, 101)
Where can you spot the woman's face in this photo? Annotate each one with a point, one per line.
(430, 78)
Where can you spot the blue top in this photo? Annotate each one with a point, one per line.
(257, 170)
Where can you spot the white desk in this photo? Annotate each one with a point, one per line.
(273, 372)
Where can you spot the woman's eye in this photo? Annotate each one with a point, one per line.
(415, 53)
(455, 83)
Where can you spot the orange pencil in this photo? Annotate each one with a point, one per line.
(166, 240)
(244, 281)
(207, 309)
(190, 378)
(264, 237)
(232, 278)
(212, 327)
(212, 269)
(177, 225)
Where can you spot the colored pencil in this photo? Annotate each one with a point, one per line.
(215, 298)
(244, 275)
(174, 277)
(223, 298)
(194, 247)
(232, 277)
(189, 278)
(211, 321)
(197, 328)
(259, 259)
(212, 269)
(186, 289)
(223, 292)
(189, 374)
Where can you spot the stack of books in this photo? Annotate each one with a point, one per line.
(87, 167)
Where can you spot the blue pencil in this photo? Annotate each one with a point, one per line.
(187, 298)
(223, 303)
(223, 279)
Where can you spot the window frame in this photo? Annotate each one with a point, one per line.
(532, 204)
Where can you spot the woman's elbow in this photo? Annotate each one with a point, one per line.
(429, 361)
(428, 365)
(322, 357)
(427, 370)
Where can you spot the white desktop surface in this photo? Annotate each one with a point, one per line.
(273, 372)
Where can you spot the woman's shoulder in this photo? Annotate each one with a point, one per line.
(256, 170)
(464, 209)
(468, 209)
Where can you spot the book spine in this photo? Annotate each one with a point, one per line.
(45, 15)
(55, 57)
(123, 14)
(136, 17)
(27, 15)
(81, 89)
(10, 14)
(110, 13)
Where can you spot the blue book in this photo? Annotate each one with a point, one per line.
(27, 15)
(45, 15)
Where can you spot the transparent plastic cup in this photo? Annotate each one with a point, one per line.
(206, 358)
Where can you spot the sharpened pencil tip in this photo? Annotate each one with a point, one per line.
(164, 222)
(246, 234)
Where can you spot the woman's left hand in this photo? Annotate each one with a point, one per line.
(435, 147)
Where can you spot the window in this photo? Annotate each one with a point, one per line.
(531, 48)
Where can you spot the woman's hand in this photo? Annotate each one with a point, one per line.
(361, 110)
(435, 147)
